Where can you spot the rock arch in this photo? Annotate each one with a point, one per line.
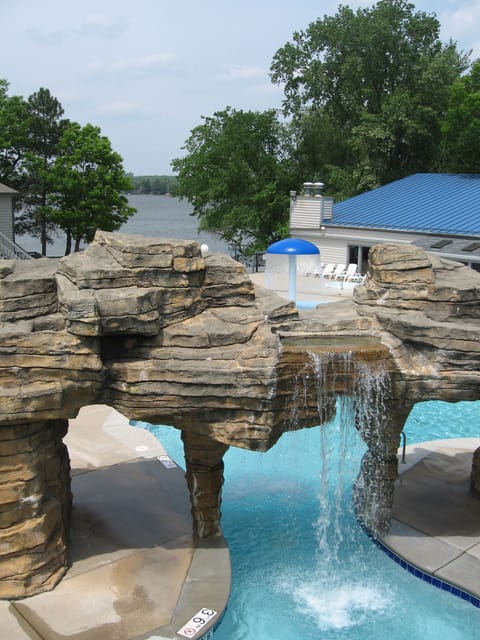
(155, 330)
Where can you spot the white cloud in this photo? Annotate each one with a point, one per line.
(237, 72)
(94, 25)
(461, 25)
(139, 62)
(118, 107)
(49, 36)
(102, 25)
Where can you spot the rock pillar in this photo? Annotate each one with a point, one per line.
(35, 501)
(475, 475)
(204, 463)
(374, 488)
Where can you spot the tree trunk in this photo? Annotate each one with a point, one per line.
(68, 244)
(43, 224)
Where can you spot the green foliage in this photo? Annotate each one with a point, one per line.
(461, 125)
(156, 185)
(13, 137)
(377, 80)
(89, 178)
(67, 177)
(44, 127)
(320, 153)
(237, 176)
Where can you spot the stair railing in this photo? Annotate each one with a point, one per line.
(11, 250)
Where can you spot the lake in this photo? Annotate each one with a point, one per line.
(157, 216)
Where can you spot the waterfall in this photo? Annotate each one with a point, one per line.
(333, 596)
(360, 410)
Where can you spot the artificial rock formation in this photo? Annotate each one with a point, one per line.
(425, 310)
(152, 328)
(475, 475)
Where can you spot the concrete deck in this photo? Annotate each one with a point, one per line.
(436, 519)
(309, 288)
(136, 571)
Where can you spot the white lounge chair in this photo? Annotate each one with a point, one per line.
(314, 271)
(351, 274)
(339, 272)
(328, 270)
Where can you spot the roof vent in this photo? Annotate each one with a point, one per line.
(473, 246)
(440, 244)
(308, 188)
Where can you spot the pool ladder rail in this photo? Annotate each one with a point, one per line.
(404, 446)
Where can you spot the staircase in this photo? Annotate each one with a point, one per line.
(10, 250)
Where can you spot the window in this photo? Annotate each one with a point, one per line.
(358, 255)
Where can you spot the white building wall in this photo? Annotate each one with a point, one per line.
(334, 241)
(6, 216)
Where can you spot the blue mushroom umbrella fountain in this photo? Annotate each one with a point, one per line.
(293, 247)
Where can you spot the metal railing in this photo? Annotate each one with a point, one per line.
(255, 262)
(11, 250)
(404, 446)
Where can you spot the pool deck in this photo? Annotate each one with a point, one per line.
(435, 528)
(136, 571)
(308, 288)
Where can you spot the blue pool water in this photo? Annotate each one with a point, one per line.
(302, 566)
(309, 304)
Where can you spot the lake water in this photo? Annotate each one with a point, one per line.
(157, 216)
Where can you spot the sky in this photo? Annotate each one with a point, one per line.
(146, 71)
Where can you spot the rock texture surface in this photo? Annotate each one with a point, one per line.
(475, 475)
(153, 329)
(430, 309)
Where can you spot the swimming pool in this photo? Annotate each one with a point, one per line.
(309, 304)
(302, 567)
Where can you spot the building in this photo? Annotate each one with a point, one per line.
(436, 211)
(7, 196)
(8, 248)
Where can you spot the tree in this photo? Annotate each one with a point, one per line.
(157, 185)
(44, 126)
(236, 176)
(461, 125)
(68, 177)
(89, 179)
(146, 186)
(321, 154)
(382, 77)
(13, 137)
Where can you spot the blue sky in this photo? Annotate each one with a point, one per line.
(146, 71)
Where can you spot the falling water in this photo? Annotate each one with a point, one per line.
(333, 597)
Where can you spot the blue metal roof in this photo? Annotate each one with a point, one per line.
(293, 246)
(424, 202)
